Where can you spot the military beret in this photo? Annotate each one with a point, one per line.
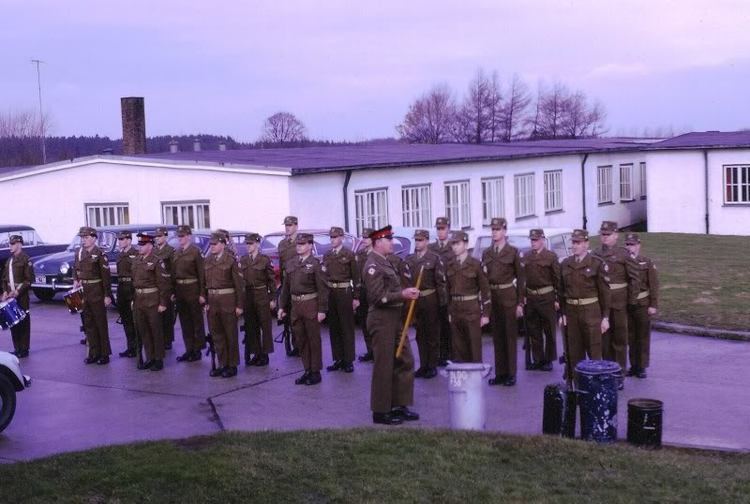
(252, 238)
(87, 231)
(442, 222)
(144, 238)
(303, 238)
(15, 239)
(608, 227)
(335, 231)
(161, 231)
(536, 234)
(184, 230)
(366, 232)
(632, 239)
(290, 220)
(458, 236)
(421, 234)
(385, 232)
(498, 223)
(124, 235)
(217, 237)
(580, 235)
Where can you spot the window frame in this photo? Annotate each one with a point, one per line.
(459, 213)
(642, 180)
(496, 208)
(738, 185)
(120, 214)
(531, 212)
(626, 169)
(606, 198)
(374, 221)
(555, 193)
(416, 214)
(181, 206)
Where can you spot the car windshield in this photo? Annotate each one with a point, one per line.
(105, 241)
(30, 238)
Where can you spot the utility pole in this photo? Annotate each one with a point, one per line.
(41, 112)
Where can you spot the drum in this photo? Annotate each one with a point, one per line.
(11, 313)
(74, 300)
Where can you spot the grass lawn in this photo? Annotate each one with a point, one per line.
(399, 465)
(705, 280)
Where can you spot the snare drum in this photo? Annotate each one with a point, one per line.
(74, 300)
(11, 313)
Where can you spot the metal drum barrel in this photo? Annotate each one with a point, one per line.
(597, 382)
(645, 422)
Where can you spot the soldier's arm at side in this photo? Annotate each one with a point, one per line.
(354, 271)
(270, 277)
(484, 289)
(557, 279)
(634, 279)
(201, 266)
(163, 283)
(239, 286)
(441, 281)
(653, 285)
(104, 264)
(322, 288)
(602, 287)
(520, 273)
(28, 277)
(375, 285)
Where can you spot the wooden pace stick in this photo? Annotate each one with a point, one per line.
(409, 316)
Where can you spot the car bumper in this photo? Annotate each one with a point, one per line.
(53, 284)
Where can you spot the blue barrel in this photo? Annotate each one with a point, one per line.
(597, 395)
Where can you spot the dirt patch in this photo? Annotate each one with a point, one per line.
(674, 286)
(704, 300)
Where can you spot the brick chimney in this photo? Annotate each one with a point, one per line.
(133, 125)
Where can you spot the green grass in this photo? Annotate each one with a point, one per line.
(704, 279)
(397, 465)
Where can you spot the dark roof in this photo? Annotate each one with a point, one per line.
(706, 139)
(4, 228)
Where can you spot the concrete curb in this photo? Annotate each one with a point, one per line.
(706, 332)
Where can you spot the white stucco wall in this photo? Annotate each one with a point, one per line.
(725, 218)
(317, 200)
(676, 200)
(624, 212)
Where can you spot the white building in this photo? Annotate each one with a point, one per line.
(564, 183)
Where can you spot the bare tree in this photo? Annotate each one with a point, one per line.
(20, 124)
(431, 118)
(514, 109)
(552, 108)
(474, 111)
(282, 128)
(495, 108)
(534, 121)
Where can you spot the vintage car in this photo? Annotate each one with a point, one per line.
(33, 245)
(558, 241)
(11, 381)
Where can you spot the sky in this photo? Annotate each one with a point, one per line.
(349, 69)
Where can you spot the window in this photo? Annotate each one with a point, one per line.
(415, 206)
(737, 184)
(30, 238)
(371, 209)
(524, 186)
(107, 214)
(195, 214)
(642, 169)
(553, 190)
(457, 204)
(604, 184)
(626, 182)
(493, 201)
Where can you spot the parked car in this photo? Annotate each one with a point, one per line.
(403, 241)
(11, 381)
(558, 241)
(33, 245)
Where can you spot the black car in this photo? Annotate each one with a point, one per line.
(32, 243)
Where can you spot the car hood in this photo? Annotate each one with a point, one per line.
(50, 263)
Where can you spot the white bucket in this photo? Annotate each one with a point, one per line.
(465, 387)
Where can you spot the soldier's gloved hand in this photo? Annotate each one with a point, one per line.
(563, 321)
(484, 321)
(519, 311)
(605, 325)
(107, 301)
(321, 317)
(161, 308)
(201, 300)
(557, 306)
(652, 311)
(281, 314)
(355, 304)
(238, 312)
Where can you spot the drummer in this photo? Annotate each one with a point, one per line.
(18, 273)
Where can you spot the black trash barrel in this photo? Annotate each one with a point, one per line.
(552, 415)
(597, 395)
(644, 422)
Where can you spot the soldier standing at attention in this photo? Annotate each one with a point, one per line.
(304, 295)
(125, 293)
(18, 274)
(189, 276)
(542, 269)
(288, 250)
(165, 252)
(584, 300)
(501, 262)
(442, 247)
(91, 271)
(152, 290)
(342, 276)
(260, 287)
(225, 292)
(623, 285)
(469, 304)
(432, 295)
(645, 307)
(364, 304)
(392, 379)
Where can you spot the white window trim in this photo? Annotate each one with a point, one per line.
(493, 199)
(199, 221)
(120, 214)
(459, 213)
(604, 187)
(626, 182)
(525, 203)
(737, 170)
(378, 217)
(416, 205)
(553, 200)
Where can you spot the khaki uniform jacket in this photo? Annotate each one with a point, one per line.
(188, 264)
(445, 251)
(258, 272)
(585, 279)
(434, 276)
(304, 277)
(649, 281)
(622, 270)
(166, 254)
(23, 276)
(542, 270)
(342, 267)
(91, 266)
(287, 251)
(361, 259)
(222, 272)
(150, 272)
(468, 279)
(503, 268)
(381, 278)
(125, 262)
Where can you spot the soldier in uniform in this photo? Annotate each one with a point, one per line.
(18, 274)
(151, 283)
(442, 247)
(432, 295)
(342, 278)
(584, 300)
(165, 252)
(364, 305)
(189, 277)
(623, 286)
(230, 243)
(645, 307)
(469, 304)
(288, 250)
(304, 295)
(125, 293)
(91, 271)
(501, 263)
(260, 287)
(542, 269)
(225, 293)
(392, 379)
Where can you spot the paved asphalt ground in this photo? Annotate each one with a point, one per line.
(704, 383)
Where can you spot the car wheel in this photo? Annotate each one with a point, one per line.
(7, 402)
(44, 294)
